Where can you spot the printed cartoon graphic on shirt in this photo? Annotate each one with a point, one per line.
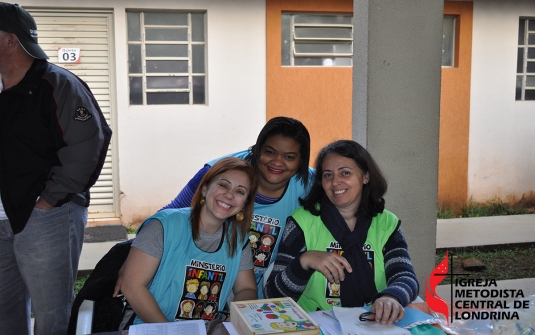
(215, 288)
(209, 309)
(332, 290)
(186, 307)
(369, 253)
(199, 308)
(204, 289)
(263, 237)
(201, 292)
(191, 286)
(261, 257)
(266, 242)
(253, 239)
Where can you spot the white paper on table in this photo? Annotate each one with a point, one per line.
(351, 325)
(194, 327)
(328, 323)
(230, 328)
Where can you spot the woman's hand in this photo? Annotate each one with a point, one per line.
(387, 310)
(117, 287)
(330, 264)
(139, 269)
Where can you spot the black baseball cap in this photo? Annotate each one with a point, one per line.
(14, 19)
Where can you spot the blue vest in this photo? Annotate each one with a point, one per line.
(269, 221)
(191, 283)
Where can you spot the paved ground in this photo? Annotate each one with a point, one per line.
(483, 231)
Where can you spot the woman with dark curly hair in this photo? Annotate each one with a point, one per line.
(342, 234)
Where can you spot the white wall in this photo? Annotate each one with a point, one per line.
(502, 130)
(161, 147)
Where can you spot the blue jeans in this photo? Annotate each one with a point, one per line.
(38, 266)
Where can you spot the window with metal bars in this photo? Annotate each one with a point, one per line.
(525, 66)
(448, 41)
(167, 58)
(317, 39)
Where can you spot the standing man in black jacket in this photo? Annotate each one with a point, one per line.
(53, 143)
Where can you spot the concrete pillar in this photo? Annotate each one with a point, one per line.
(396, 104)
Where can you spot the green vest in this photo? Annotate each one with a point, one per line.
(319, 294)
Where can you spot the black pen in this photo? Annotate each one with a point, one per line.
(330, 316)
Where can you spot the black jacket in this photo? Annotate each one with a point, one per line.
(53, 141)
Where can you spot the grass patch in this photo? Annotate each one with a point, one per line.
(501, 264)
(447, 213)
(494, 207)
(79, 283)
(131, 229)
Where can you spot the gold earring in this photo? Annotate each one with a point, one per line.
(240, 216)
(203, 201)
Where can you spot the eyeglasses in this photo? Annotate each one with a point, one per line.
(366, 316)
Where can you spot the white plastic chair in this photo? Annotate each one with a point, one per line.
(85, 318)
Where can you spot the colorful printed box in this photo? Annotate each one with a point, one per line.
(268, 316)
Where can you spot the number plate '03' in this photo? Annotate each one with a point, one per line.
(68, 55)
